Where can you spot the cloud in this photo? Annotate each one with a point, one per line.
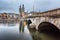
(45, 5)
(39, 5)
(9, 5)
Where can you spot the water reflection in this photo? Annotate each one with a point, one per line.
(11, 32)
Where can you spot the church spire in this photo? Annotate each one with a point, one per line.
(23, 9)
(20, 9)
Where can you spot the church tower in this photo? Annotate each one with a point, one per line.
(21, 10)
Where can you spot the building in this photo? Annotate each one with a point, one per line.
(9, 16)
(13, 15)
(3, 16)
(22, 11)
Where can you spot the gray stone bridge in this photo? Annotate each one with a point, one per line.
(37, 20)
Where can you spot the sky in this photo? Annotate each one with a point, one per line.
(12, 6)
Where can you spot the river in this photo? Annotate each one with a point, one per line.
(11, 32)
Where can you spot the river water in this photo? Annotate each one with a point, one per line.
(12, 32)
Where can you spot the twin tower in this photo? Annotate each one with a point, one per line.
(21, 9)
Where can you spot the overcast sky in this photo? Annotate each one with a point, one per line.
(39, 5)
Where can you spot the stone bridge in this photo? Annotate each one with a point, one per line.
(52, 16)
(36, 21)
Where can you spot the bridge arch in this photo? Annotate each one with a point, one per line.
(47, 27)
